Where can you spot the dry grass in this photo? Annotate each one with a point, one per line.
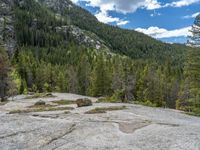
(64, 102)
(3, 103)
(105, 109)
(40, 109)
(41, 106)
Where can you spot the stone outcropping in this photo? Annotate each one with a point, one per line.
(57, 5)
(7, 33)
(81, 36)
(135, 128)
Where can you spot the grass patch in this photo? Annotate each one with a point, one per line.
(40, 95)
(40, 109)
(147, 103)
(64, 102)
(42, 106)
(3, 103)
(108, 100)
(193, 114)
(105, 109)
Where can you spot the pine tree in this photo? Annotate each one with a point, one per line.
(191, 102)
(4, 74)
(100, 78)
(83, 74)
(195, 38)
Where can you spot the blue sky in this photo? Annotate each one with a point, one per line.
(165, 20)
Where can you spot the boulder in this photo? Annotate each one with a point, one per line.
(83, 102)
(40, 103)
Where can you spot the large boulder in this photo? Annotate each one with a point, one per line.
(83, 102)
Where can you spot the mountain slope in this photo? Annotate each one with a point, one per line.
(62, 47)
(77, 24)
(126, 42)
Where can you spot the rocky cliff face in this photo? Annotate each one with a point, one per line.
(57, 5)
(7, 18)
(82, 37)
(7, 33)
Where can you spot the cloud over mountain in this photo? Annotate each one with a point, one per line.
(157, 32)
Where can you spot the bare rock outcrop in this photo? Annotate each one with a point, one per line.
(7, 32)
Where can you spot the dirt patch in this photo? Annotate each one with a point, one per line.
(130, 127)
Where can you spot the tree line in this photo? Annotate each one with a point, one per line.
(47, 61)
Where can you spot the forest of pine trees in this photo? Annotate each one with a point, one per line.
(43, 62)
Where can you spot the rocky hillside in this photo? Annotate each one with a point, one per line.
(8, 20)
(7, 31)
(84, 28)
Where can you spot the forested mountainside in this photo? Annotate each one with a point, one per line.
(126, 42)
(62, 47)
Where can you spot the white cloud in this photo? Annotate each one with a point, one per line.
(158, 33)
(129, 6)
(105, 18)
(122, 22)
(152, 4)
(75, 1)
(123, 6)
(191, 16)
(182, 3)
(120, 6)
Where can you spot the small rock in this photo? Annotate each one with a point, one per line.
(83, 102)
(5, 99)
(40, 102)
(48, 95)
(30, 93)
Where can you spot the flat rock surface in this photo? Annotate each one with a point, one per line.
(135, 128)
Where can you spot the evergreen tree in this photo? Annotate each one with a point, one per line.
(100, 78)
(83, 74)
(4, 74)
(195, 38)
(190, 100)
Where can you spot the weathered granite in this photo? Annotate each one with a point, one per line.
(135, 128)
(7, 32)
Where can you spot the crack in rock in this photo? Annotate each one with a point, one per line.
(46, 116)
(59, 136)
(167, 124)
